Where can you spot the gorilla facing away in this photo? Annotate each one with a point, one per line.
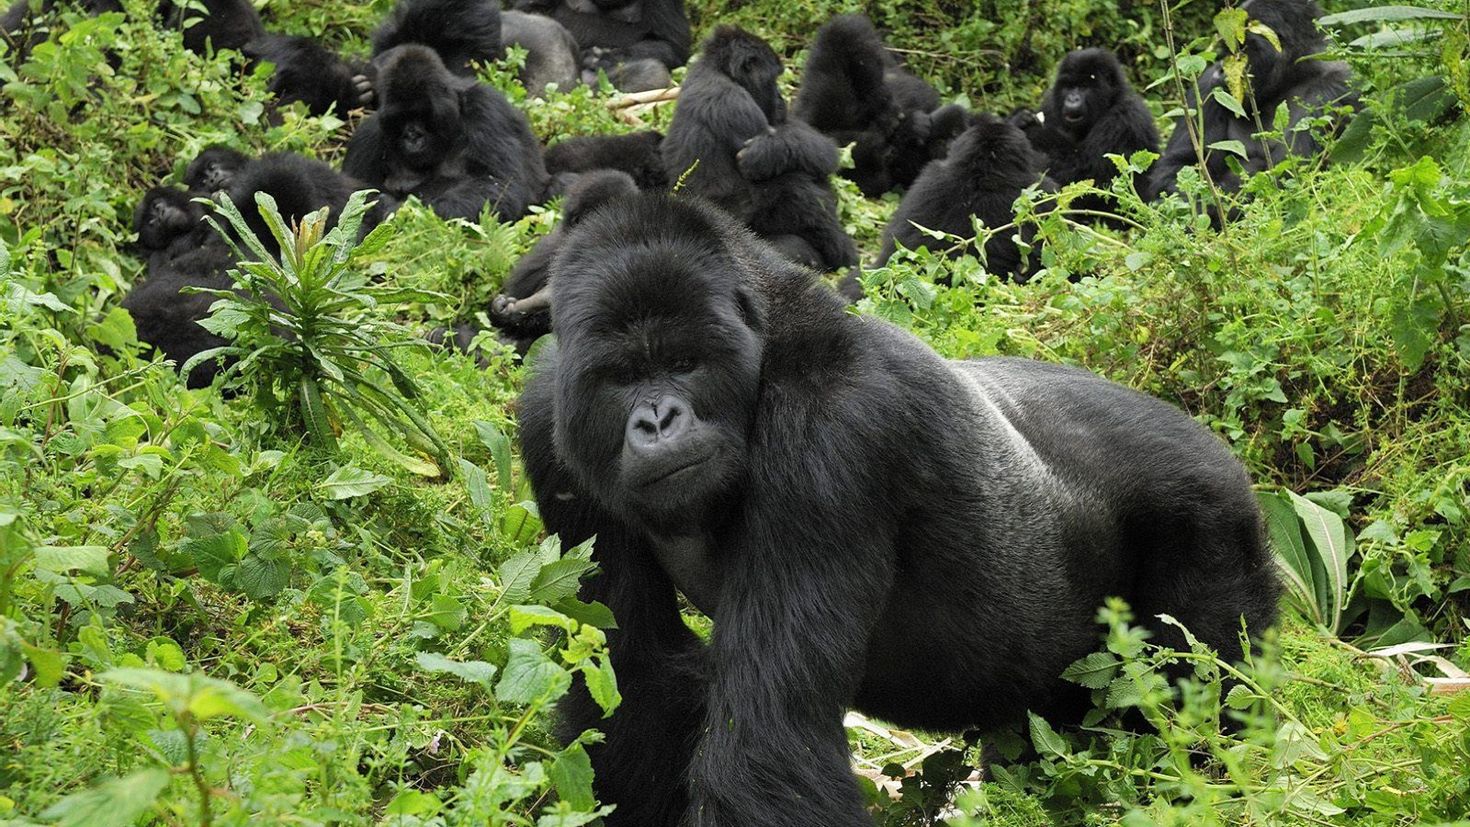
(522, 311)
(1090, 112)
(1307, 86)
(460, 31)
(853, 90)
(636, 153)
(986, 169)
(731, 142)
(300, 186)
(636, 42)
(455, 143)
(867, 524)
(309, 72)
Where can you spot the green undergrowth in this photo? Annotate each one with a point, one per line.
(209, 614)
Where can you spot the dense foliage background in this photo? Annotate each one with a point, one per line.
(207, 616)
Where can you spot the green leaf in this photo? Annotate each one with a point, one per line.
(350, 481)
(516, 576)
(1046, 739)
(478, 486)
(261, 577)
(558, 580)
(48, 664)
(1284, 528)
(116, 802)
(1093, 671)
(1385, 14)
(530, 676)
(571, 775)
(213, 554)
(524, 617)
(61, 559)
(1333, 545)
(592, 614)
(470, 671)
(499, 445)
(602, 685)
(1240, 697)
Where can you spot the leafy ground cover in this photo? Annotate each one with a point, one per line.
(245, 608)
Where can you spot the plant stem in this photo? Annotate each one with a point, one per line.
(191, 731)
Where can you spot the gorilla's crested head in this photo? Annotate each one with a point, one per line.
(751, 63)
(420, 105)
(1294, 23)
(658, 364)
(995, 154)
(1088, 84)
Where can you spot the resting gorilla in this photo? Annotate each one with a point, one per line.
(867, 524)
(987, 168)
(854, 91)
(731, 136)
(636, 42)
(522, 311)
(636, 153)
(309, 72)
(214, 169)
(168, 319)
(1307, 87)
(455, 143)
(223, 24)
(460, 31)
(1090, 112)
(299, 185)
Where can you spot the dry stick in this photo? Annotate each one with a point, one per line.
(637, 98)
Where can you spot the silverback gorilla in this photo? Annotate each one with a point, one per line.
(868, 524)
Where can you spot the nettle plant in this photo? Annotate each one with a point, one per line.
(308, 339)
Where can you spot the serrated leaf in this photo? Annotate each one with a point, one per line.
(529, 675)
(602, 685)
(524, 617)
(116, 802)
(558, 580)
(62, 559)
(470, 671)
(1045, 739)
(350, 481)
(592, 614)
(1240, 697)
(571, 775)
(1093, 671)
(261, 577)
(213, 554)
(516, 576)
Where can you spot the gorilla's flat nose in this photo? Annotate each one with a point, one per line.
(658, 424)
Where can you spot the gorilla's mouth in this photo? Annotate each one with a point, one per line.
(1073, 117)
(665, 475)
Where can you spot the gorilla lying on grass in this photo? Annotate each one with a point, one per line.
(868, 524)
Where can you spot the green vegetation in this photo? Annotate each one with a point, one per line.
(336, 606)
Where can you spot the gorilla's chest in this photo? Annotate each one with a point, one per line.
(690, 564)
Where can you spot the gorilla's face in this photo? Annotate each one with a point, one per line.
(1087, 85)
(163, 216)
(657, 375)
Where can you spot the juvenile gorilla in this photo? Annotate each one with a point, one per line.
(309, 72)
(636, 42)
(854, 91)
(522, 311)
(986, 170)
(214, 169)
(636, 153)
(731, 136)
(867, 524)
(455, 143)
(1290, 76)
(1091, 112)
(299, 186)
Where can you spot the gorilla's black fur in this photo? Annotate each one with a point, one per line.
(1307, 87)
(522, 311)
(730, 128)
(455, 143)
(299, 185)
(986, 169)
(214, 169)
(167, 221)
(552, 56)
(461, 31)
(168, 319)
(867, 524)
(309, 72)
(636, 153)
(636, 42)
(854, 91)
(1091, 111)
(225, 24)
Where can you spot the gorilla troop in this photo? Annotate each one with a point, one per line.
(867, 524)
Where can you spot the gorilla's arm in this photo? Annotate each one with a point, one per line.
(1126, 129)
(1327, 87)
(656, 657)
(366, 158)
(791, 633)
(791, 147)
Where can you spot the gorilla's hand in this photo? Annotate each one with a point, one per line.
(367, 96)
(1024, 119)
(762, 157)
